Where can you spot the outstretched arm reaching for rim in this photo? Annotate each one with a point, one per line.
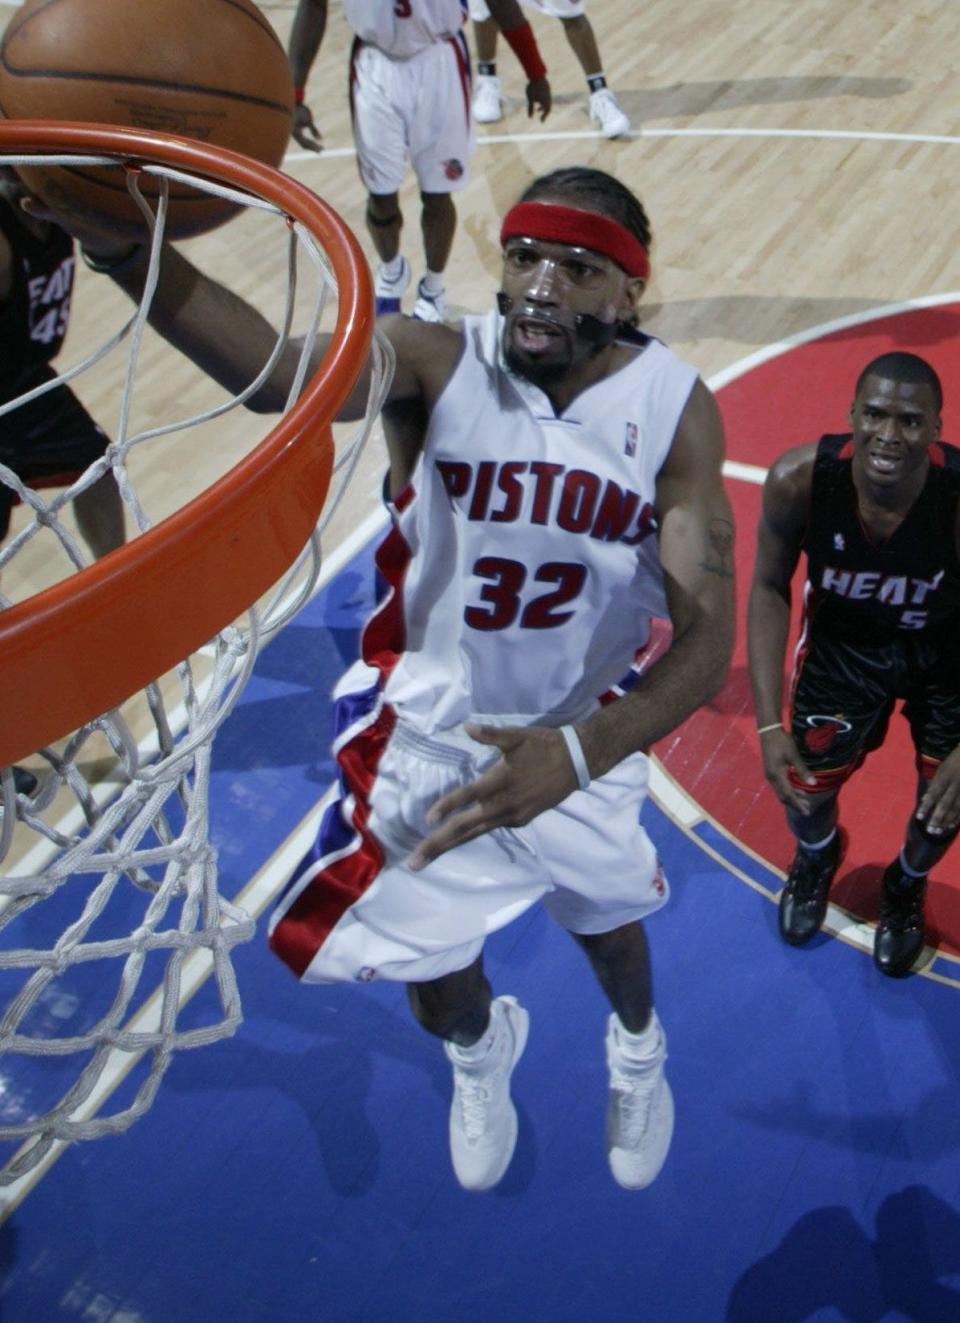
(231, 340)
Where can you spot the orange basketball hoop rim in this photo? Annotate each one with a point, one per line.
(81, 647)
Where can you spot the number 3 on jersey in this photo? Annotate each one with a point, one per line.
(505, 581)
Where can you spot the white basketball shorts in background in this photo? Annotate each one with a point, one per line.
(418, 109)
(555, 8)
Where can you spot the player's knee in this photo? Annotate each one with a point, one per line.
(456, 1008)
(436, 202)
(383, 210)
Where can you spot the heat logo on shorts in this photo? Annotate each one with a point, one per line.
(822, 731)
(453, 169)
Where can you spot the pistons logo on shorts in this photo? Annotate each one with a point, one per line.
(453, 169)
(822, 731)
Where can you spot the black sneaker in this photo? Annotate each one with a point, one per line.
(803, 900)
(899, 938)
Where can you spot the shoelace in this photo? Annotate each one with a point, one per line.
(473, 1096)
(811, 873)
(902, 912)
(635, 1098)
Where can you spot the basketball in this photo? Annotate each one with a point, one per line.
(212, 70)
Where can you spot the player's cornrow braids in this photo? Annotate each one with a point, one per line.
(598, 190)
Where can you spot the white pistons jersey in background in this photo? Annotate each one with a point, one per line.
(403, 28)
(530, 540)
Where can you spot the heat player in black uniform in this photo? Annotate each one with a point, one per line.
(51, 440)
(876, 512)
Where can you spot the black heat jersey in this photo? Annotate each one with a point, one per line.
(51, 440)
(33, 319)
(864, 591)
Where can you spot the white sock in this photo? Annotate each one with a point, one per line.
(432, 282)
(910, 872)
(643, 1043)
(391, 270)
(478, 1050)
(819, 845)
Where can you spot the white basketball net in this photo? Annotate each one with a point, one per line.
(124, 858)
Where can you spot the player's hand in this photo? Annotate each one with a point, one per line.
(533, 773)
(304, 129)
(780, 755)
(92, 234)
(939, 808)
(539, 98)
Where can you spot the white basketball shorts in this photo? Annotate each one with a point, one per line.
(555, 8)
(354, 911)
(417, 110)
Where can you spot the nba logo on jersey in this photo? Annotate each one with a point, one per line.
(630, 439)
(838, 542)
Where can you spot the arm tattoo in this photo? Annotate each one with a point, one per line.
(719, 549)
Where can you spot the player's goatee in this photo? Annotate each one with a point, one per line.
(541, 374)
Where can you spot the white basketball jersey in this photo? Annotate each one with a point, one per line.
(523, 562)
(402, 28)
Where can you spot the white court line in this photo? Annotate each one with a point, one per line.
(576, 135)
(744, 365)
(745, 472)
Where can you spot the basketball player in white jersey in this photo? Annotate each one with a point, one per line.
(555, 481)
(410, 94)
(555, 478)
(603, 107)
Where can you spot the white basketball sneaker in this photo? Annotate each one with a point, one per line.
(605, 111)
(640, 1110)
(430, 307)
(487, 104)
(483, 1120)
(387, 292)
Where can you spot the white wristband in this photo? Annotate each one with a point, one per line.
(575, 750)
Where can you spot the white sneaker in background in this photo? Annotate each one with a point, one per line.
(605, 110)
(387, 292)
(483, 1120)
(487, 105)
(430, 307)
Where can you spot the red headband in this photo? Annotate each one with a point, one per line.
(580, 229)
